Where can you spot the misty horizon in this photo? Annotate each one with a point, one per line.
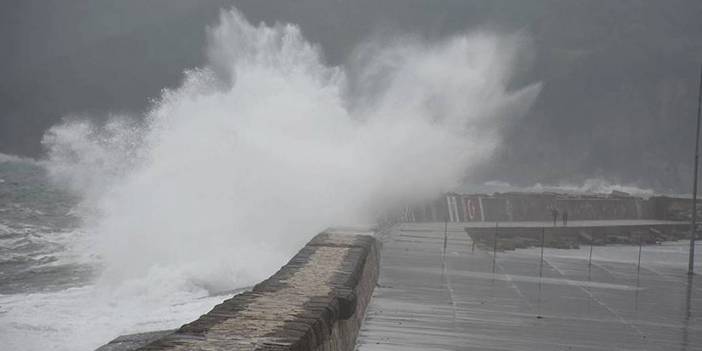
(619, 80)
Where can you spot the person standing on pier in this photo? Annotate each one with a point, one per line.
(554, 213)
(565, 218)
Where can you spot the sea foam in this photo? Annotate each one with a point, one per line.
(258, 150)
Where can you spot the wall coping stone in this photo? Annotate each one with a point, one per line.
(300, 307)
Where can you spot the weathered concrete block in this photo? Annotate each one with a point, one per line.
(317, 301)
(133, 341)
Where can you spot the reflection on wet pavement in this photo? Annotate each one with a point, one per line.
(438, 292)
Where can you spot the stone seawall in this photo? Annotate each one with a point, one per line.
(317, 301)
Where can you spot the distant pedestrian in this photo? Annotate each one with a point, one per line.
(554, 213)
(565, 218)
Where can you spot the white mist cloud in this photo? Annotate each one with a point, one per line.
(589, 186)
(267, 145)
(12, 158)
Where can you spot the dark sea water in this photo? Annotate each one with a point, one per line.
(37, 229)
(51, 295)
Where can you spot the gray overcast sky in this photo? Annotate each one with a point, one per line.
(620, 77)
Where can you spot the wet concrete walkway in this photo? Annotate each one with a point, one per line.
(437, 294)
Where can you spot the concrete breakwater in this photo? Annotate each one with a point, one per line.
(515, 235)
(317, 301)
(507, 207)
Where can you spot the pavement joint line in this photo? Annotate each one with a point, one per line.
(600, 302)
(514, 285)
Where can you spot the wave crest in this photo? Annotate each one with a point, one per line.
(266, 145)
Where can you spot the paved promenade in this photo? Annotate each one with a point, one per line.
(437, 294)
